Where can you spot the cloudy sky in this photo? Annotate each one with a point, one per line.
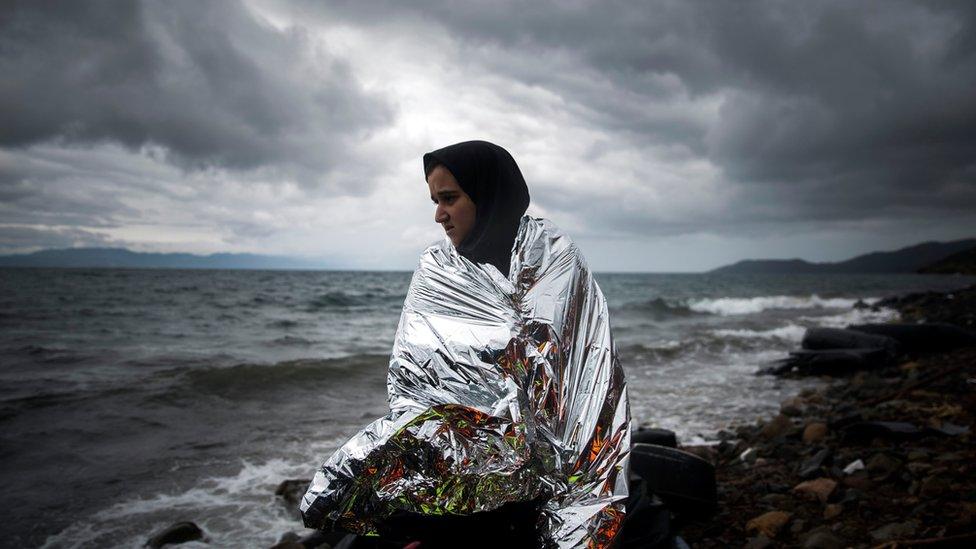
(663, 136)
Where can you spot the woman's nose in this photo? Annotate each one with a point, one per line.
(440, 215)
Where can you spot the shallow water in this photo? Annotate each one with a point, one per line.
(131, 399)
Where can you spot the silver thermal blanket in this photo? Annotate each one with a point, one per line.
(500, 390)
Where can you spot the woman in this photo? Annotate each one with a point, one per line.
(504, 385)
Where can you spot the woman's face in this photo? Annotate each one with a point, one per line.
(455, 209)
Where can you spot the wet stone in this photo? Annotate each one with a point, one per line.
(792, 407)
(776, 427)
(749, 456)
(918, 455)
(290, 540)
(951, 456)
(882, 466)
(853, 467)
(725, 447)
(769, 524)
(180, 532)
(814, 433)
(758, 542)
(784, 451)
(933, 486)
(832, 510)
(820, 488)
(822, 538)
(745, 431)
(918, 468)
(858, 480)
(952, 429)
(921, 508)
(292, 490)
(707, 453)
(810, 468)
(775, 500)
(289, 537)
(895, 530)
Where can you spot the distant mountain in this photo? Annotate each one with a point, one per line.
(123, 258)
(963, 262)
(905, 260)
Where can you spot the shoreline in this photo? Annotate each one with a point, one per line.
(828, 471)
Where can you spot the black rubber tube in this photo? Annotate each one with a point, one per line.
(684, 481)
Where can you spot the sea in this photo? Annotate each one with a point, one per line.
(133, 399)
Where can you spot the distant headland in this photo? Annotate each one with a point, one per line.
(942, 257)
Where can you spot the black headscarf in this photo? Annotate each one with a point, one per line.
(490, 176)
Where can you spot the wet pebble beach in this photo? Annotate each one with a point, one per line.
(874, 458)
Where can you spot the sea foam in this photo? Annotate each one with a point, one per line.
(790, 332)
(750, 305)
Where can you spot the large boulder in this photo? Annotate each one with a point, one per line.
(292, 490)
(180, 532)
(816, 339)
(837, 362)
(915, 338)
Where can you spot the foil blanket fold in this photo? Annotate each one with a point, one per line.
(500, 390)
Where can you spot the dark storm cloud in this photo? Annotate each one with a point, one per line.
(738, 119)
(828, 110)
(207, 81)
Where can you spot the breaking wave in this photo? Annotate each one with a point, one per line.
(726, 306)
(790, 332)
(340, 300)
(659, 307)
(854, 316)
(235, 511)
